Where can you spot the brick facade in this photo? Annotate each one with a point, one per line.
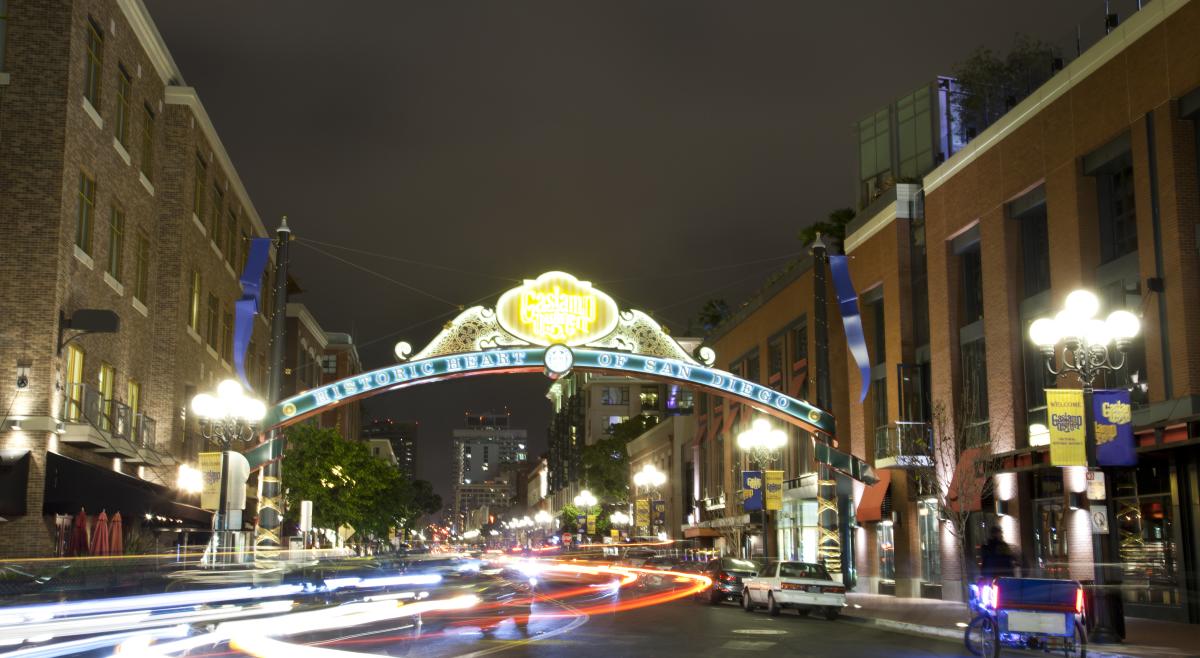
(54, 135)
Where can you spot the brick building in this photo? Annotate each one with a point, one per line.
(1092, 181)
(117, 195)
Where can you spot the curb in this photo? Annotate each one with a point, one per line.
(947, 633)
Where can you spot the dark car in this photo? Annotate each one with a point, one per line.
(726, 574)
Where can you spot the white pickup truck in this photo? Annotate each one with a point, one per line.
(801, 585)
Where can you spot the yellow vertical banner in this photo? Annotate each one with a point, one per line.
(774, 489)
(591, 524)
(642, 515)
(210, 477)
(1068, 436)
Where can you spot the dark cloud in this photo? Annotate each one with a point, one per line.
(618, 140)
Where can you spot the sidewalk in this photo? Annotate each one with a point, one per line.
(1145, 638)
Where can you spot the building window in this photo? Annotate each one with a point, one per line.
(3, 30)
(800, 358)
(214, 223)
(1035, 251)
(124, 104)
(147, 142)
(875, 155)
(775, 363)
(133, 398)
(116, 244)
(753, 369)
(194, 301)
(974, 389)
(1037, 378)
(914, 132)
(329, 364)
(878, 331)
(74, 382)
(214, 315)
(231, 233)
(227, 337)
(107, 377)
(887, 551)
(1118, 217)
(198, 187)
(614, 395)
(94, 43)
(85, 221)
(141, 285)
(971, 265)
(931, 554)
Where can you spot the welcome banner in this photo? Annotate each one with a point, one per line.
(1068, 437)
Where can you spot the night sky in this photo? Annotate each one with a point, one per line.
(666, 151)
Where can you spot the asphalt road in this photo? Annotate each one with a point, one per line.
(681, 628)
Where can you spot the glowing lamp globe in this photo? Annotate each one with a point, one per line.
(1096, 332)
(1083, 304)
(1044, 332)
(1123, 325)
(205, 406)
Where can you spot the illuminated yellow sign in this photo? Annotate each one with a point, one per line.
(557, 308)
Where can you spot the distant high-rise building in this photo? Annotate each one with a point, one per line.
(481, 452)
(402, 434)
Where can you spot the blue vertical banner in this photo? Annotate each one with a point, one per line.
(1113, 415)
(856, 341)
(752, 491)
(247, 307)
(659, 508)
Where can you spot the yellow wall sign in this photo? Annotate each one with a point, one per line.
(1068, 437)
(557, 308)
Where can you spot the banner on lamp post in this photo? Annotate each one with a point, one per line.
(659, 512)
(642, 513)
(210, 474)
(591, 524)
(752, 491)
(1068, 436)
(773, 488)
(581, 523)
(1113, 416)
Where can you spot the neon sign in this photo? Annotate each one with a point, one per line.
(557, 308)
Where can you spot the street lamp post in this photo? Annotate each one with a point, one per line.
(1087, 352)
(619, 519)
(227, 417)
(543, 519)
(648, 480)
(586, 500)
(761, 443)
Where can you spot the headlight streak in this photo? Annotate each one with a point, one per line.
(75, 647)
(48, 611)
(248, 635)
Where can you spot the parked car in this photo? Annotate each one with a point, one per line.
(801, 585)
(727, 574)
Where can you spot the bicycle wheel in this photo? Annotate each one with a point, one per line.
(982, 637)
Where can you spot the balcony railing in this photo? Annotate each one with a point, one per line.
(904, 444)
(110, 421)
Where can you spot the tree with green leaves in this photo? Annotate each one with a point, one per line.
(712, 314)
(833, 228)
(606, 462)
(990, 84)
(348, 486)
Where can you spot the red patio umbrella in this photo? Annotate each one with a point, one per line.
(116, 540)
(100, 535)
(79, 535)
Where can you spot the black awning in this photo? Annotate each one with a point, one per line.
(72, 484)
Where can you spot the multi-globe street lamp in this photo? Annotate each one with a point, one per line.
(761, 443)
(1088, 346)
(225, 418)
(648, 480)
(586, 501)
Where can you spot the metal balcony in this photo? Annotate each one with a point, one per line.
(904, 444)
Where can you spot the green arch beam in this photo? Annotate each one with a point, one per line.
(530, 359)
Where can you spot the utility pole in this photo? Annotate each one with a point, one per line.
(270, 501)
